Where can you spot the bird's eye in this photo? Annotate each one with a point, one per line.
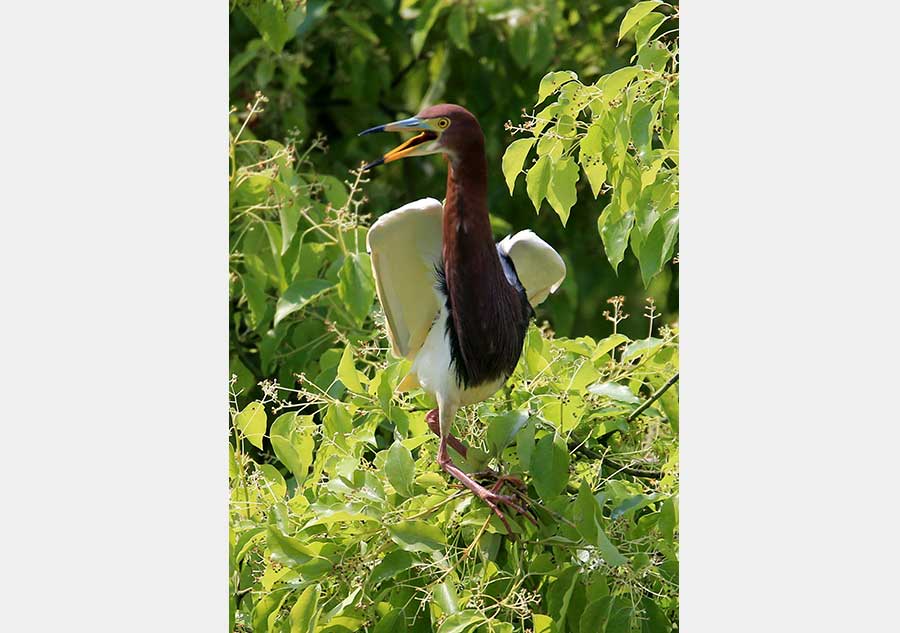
(443, 123)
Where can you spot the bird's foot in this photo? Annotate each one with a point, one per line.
(492, 496)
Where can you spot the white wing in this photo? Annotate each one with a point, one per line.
(405, 245)
(540, 268)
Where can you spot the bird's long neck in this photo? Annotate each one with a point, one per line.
(483, 304)
(467, 225)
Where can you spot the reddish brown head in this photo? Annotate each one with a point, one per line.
(445, 128)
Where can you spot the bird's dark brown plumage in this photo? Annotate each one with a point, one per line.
(489, 316)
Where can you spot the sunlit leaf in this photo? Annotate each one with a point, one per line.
(392, 564)
(634, 15)
(553, 80)
(291, 437)
(615, 228)
(608, 344)
(561, 192)
(431, 10)
(400, 469)
(305, 612)
(417, 536)
(392, 622)
(502, 429)
(514, 158)
(550, 466)
(648, 25)
(537, 180)
(614, 391)
(357, 285)
(461, 622)
(251, 422)
(347, 373)
(298, 295)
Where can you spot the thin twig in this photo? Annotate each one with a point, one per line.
(671, 381)
(644, 474)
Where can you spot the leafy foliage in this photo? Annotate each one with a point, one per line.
(340, 519)
(623, 128)
(355, 508)
(349, 66)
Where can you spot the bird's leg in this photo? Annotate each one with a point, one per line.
(490, 497)
(433, 421)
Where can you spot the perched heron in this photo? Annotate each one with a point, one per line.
(456, 304)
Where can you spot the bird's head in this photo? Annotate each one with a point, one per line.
(446, 128)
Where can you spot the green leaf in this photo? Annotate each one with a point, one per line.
(502, 430)
(655, 620)
(275, 25)
(358, 26)
(595, 170)
(334, 190)
(251, 422)
(643, 347)
(305, 612)
(400, 469)
(298, 295)
(427, 17)
(550, 466)
(587, 514)
(561, 192)
(357, 285)
(560, 593)
(635, 14)
(608, 551)
(257, 300)
(458, 27)
(417, 536)
(544, 623)
(461, 622)
(552, 81)
(646, 28)
(620, 611)
(657, 249)
(614, 391)
(347, 373)
(287, 550)
(446, 598)
(595, 614)
(289, 216)
(272, 481)
(615, 227)
(668, 520)
(392, 622)
(525, 445)
(654, 56)
(613, 83)
(293, 446)
(392, 564)
(537, 180)
(608, 344)
(514, 158)
(268, 604)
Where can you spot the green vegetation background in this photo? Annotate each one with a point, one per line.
(340, 519)
(353, 65)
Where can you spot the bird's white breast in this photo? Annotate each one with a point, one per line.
(432, 367)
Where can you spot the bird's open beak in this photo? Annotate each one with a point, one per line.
(426, 142)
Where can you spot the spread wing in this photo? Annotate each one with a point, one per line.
(405, 245)
(539, 267)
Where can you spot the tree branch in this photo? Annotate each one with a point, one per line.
(671, 381)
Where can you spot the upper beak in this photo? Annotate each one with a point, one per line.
(408, 147)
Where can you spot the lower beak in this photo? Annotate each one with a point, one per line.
(408, 147)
